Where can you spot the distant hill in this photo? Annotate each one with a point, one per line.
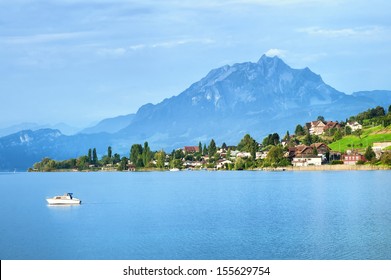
(64, 128)
(20, 150)
(110, 125)
(375, 97)
(230, 101)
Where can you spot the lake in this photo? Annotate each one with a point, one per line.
(197, 215)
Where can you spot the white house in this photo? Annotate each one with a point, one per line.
(354, 125)
(243, 155)
(305, 161)
(380, 146)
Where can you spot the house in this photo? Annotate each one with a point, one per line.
(303, 150)
(221, 164)
(131, 167)
(380, 146)
(322, 148)
(351, 158)
(307, 160)
(319, 127)
(191, 149)
(331, 125)
(354, 125)
(335, 155)
(259, 155)
(316, 127)
(192, 164)
(243, 155)
(234, 153)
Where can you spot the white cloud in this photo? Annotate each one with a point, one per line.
(44, 38)
(112, 52)
(120, 51)
(174, 43)
(276, 52)
(341, 32)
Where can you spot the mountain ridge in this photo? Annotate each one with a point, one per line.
(230, 101)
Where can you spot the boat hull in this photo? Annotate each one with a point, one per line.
(53, 201)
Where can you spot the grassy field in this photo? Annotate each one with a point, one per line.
(369, 135)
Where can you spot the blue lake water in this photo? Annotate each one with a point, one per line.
(197, 215)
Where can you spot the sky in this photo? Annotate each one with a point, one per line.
(78, 62)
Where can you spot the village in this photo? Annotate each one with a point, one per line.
(363, 140)
(300, 155)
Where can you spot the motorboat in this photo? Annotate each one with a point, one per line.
(64, 199)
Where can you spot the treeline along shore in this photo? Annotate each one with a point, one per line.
(362, 142)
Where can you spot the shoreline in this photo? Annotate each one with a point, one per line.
(338, 167)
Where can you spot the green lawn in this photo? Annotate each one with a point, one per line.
(367, 138)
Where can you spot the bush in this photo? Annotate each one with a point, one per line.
(334, 162)
(386, 158)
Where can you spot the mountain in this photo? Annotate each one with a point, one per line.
(64, 128)
(110, 125)
(256, 98)
(22, 149)
(375, 98)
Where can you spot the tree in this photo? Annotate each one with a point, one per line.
(123, 164)
(369, 154)
(212, 149)
(299, 131)
(177, 154)
(160, 158)
(224, 146)
(320, 118)
(389, 109)
(89, 155)
(348, 130)
(204, 150)
(271, 139)
(200, 148)
(109, 152)
(105, 160)
(82, 162)
(94, 156)
(176, 163)
(275, 157)
(379, 112)
(358, 132)
(146, 154)
(287, 136)
(307, 139)
(275, 138)
(135, 155)
(239, 164)
(248, 144)
(337, 135)
(116, 158)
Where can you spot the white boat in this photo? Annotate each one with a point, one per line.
(64, 199)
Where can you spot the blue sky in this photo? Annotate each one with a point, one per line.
(81, 61)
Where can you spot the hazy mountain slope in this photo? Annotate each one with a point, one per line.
(230, 101)
(110, 125)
